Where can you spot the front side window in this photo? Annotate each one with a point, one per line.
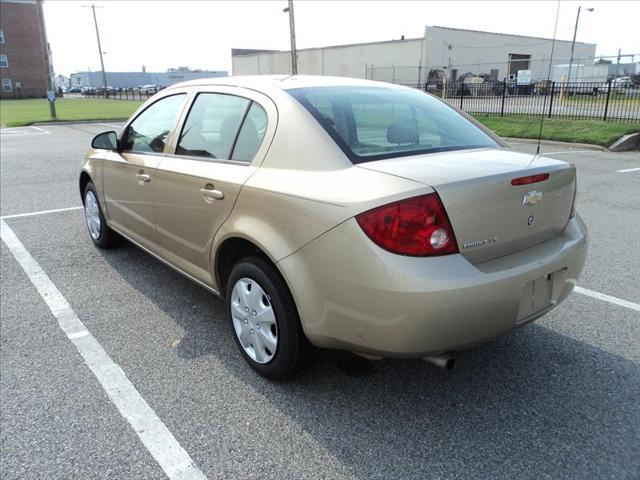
(4, 61)
(373, 123)
(212, 125)
(149, 131)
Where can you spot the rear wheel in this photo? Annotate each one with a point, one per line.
(265, 320)
(100, 233)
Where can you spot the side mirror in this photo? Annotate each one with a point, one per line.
(105, 141)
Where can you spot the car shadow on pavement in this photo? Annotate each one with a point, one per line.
(534, 404)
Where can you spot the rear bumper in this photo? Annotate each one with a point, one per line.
(356, 296)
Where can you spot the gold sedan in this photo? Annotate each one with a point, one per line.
(338, 213)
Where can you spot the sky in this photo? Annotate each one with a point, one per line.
(200, 34)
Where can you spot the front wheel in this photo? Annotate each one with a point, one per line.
(100, 233)
(265, 320)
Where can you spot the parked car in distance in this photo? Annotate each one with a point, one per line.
(583, 88)
(109, 90)
(75, 89)
(338, 213)
(622, 82)
(149, 89)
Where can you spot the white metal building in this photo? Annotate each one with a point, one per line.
(415, 60)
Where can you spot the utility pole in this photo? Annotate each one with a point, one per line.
(618, 63)
(51, 92)
(292, 32)
(104, 75)
(573, 43)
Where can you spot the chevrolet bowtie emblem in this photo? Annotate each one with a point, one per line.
(532, 198)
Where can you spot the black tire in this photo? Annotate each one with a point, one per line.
(293, 350)
(107, 237)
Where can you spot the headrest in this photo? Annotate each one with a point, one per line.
(404, 130)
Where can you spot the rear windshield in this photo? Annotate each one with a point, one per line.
(372, 123)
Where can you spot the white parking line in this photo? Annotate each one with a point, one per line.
(20, 134)
(41, 212)
(111, 125)
(567, 151)
(628, 170)
(23, 131)
(41, 130)
(607, 298)
(154, 435)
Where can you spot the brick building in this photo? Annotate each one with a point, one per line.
(25, 66)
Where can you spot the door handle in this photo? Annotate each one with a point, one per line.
(143, 178)
(210, 194)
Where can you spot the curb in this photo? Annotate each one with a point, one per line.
(588, 146)
(627, 143)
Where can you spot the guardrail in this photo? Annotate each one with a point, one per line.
(608, 101)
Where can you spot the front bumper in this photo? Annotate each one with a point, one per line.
(353, 295)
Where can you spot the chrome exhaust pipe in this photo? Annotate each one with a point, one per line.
(443, 361)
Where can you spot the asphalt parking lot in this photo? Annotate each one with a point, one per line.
(558, 399)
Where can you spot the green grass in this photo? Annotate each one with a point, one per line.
(14, 113)
(617, 100)
(595, 132)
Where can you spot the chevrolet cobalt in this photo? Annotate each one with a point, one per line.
(338, 213)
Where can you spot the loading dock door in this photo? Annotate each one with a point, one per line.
(517, 62)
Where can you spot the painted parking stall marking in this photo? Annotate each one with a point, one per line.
(565, 152)
(626, 170)
(607, 298)
(111, 125)
(154, 435)
(42, 212)
(23, 131)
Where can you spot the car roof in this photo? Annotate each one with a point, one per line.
(283, 82)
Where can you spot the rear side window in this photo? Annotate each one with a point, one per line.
(148, 132)
(212, 125)
(373, 123)
(251, 134)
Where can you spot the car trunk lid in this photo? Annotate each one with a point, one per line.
(490, 216)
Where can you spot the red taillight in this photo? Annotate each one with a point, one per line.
(416, 226)
(530, 179)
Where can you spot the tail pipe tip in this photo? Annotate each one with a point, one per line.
(443, 361)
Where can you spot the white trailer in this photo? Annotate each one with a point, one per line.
(580, 73)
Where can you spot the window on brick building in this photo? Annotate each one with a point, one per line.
(6, 85)
(4, 61)
(1, 37)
